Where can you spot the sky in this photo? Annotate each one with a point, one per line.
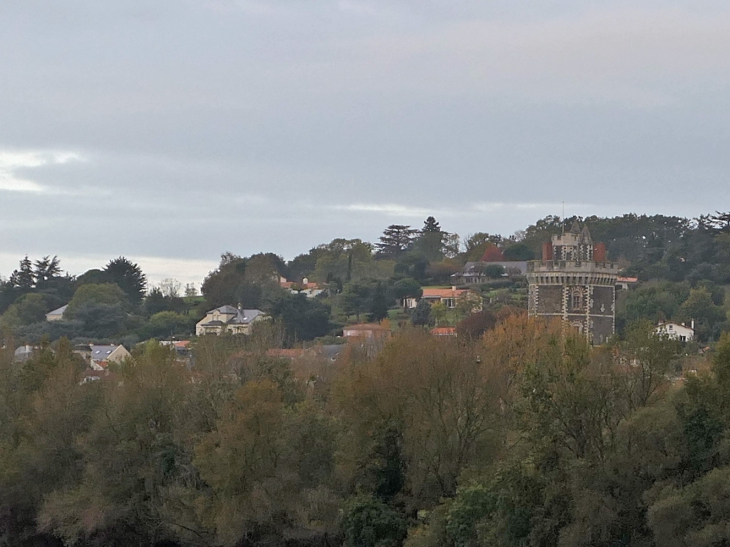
(170, 131)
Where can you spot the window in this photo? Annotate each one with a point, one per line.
(449, 302)
(576, 299)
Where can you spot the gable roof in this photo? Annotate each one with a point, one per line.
(101, 353)
(226, 309)
(58, 311)
(240, 317)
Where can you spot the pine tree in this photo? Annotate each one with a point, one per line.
(23, 277)
(430, 225)
(396, 239)
(46, 269)
(128, 276)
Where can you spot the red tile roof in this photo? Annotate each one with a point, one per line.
(443, 293)
(444, 331)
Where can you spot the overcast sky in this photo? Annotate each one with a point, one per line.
(170, 131)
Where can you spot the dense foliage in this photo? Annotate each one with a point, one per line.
(517, 436)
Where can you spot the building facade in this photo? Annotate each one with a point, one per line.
(574, 282)
(234, 320)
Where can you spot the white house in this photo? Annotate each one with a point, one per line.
(676, 331)
(101, 356)
(56, 315)
(228, 319)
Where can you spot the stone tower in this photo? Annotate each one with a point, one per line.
(573, 281)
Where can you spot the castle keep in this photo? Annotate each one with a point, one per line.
(574, 281)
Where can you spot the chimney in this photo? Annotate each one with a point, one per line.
(693, 324)
(599, 252)
(547, 251)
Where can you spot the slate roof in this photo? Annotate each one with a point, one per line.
(99, 353)
(243, 317)
(240, 317)
(227, 309)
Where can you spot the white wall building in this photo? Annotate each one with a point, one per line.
(677, 331)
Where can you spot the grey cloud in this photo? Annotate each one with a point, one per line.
(276, 125)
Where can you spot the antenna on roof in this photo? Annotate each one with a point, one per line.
(563, 219)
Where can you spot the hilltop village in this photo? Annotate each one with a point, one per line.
(594, 275)
(567, 385)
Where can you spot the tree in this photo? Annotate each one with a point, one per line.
(220, 286)
(518, 251)
(31, 308)
(371, 523)
(421, 315)
(190, 290)
(495, 271)
(128, 276)
(379, 303)
(356, 297)
(475, 325)
(700, 307)
(249, 432)
(109, 294)
(439, 312)
(170, 287)
(304, 318)
(396, 239)
(431, 226)
(46, 270)
(23, 278)
(492, 253)
(431, 240)
(167, 324)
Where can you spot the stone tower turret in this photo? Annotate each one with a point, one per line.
(574, 282)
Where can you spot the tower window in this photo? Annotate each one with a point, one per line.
(576, 299)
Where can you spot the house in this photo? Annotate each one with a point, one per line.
(56, 315)
(448, 297)
(366, 331)
(228, 319)
(473, 273)
(101, 356)
(676, 331)
(182, 349)
(623, 283)
(23, 353)
(310, 290)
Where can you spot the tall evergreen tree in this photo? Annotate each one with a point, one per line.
(46, 269)
(396, 239)
(23, 277)
(431, 225)
(128, 276)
